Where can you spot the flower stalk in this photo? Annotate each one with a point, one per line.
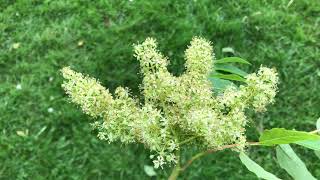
(178, 168)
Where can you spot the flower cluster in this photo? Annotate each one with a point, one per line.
(176, 110)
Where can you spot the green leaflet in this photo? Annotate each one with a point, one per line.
(255, 168)
(289, 161)
(230, 69)
(219, 85)
(315, 145)
(232, 60)
(282, 136)
(149, 170)
(232, 77)
(228, 50)
(223, 73)
(317, 152)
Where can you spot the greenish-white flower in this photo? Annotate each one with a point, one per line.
(176, 110)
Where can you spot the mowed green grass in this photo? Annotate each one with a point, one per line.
(43, 136)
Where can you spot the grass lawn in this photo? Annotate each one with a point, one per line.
(43, 136)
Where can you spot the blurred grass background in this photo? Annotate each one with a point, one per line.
(45, 137)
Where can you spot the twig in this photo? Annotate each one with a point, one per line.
(315, 131)
(187, 140)
(197, 156)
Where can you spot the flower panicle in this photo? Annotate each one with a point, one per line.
(176, 110)
(86, 92)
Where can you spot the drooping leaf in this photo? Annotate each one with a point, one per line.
(232, 60)
(282, 136)
(230, 69)
(149, 170)
(311, 144)
(219, 85)
(255, 168)
(232, 77)
(289, 161)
